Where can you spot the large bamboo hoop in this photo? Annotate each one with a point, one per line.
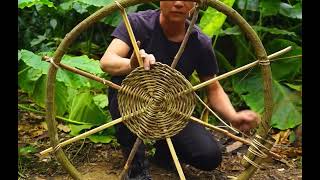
(103, 12)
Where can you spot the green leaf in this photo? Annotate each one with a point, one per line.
(27, 78)
(97, 2)
(115, 18)
(291, 11)
(28, 3)
(26, 150)
(76, 129)
(53, 23)
(38, 40)
(101, 100)
(212, 20)
(287, 109)
(84, 63)
(252, 5)
(97, 138)
(273, 30)
(285, 69)
(83, 109)
(295, 87)
(19, 55)
(33, 60)
(269, 7)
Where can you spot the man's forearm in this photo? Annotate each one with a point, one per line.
(220, 102)
(115, 65)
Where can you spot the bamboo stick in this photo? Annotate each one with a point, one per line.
(227, 133)
(175, 159)
(83, 135)
(130, 158)
(225, 75)
(131, 35)
(83, 73)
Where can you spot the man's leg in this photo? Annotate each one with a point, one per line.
(194, 145)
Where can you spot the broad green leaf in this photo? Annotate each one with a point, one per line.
(252, 5)
(28, 3)
(212, 20)
(285, 69)
(287, 103)
(83, 109)
(39, 95)
(76, 129)
(294, 11)
(101, 100)
(269, 7)
(80, 7)
(101, 138)
(33, 60)
(84, 63)
(27, 78)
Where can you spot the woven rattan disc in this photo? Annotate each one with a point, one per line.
(152, 96)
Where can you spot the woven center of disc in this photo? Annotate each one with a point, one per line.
(152, 97)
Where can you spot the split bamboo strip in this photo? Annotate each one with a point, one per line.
(175, 159)
(83, 135)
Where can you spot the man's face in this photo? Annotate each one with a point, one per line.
(176, 11)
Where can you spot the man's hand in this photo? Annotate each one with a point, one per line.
(245, 120)
(148, 59)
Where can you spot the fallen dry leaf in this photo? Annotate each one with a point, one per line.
(233, 146)
(63, 128)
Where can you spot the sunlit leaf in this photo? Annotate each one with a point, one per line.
(101, 100)
(101, 138)
(212, 20)
(28, 3)
(83, 109)
(76, 129)
(294, 11)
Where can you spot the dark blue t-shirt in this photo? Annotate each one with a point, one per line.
(198, 54)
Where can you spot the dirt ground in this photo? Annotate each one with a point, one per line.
(105, 161)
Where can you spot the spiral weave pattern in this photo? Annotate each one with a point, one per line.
(155, 92)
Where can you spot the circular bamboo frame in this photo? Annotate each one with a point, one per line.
(103, 12)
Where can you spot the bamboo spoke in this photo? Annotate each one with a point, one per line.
(186, 37)
(225, 75)
(83, 135)
(194, 119)
(85, 74)
(130, 158)
(175, 159)
(131, 35)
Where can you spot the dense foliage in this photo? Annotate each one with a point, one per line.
(44, 23)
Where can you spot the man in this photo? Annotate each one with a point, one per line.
(161, 33)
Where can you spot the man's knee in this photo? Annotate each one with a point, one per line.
(209, 159)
